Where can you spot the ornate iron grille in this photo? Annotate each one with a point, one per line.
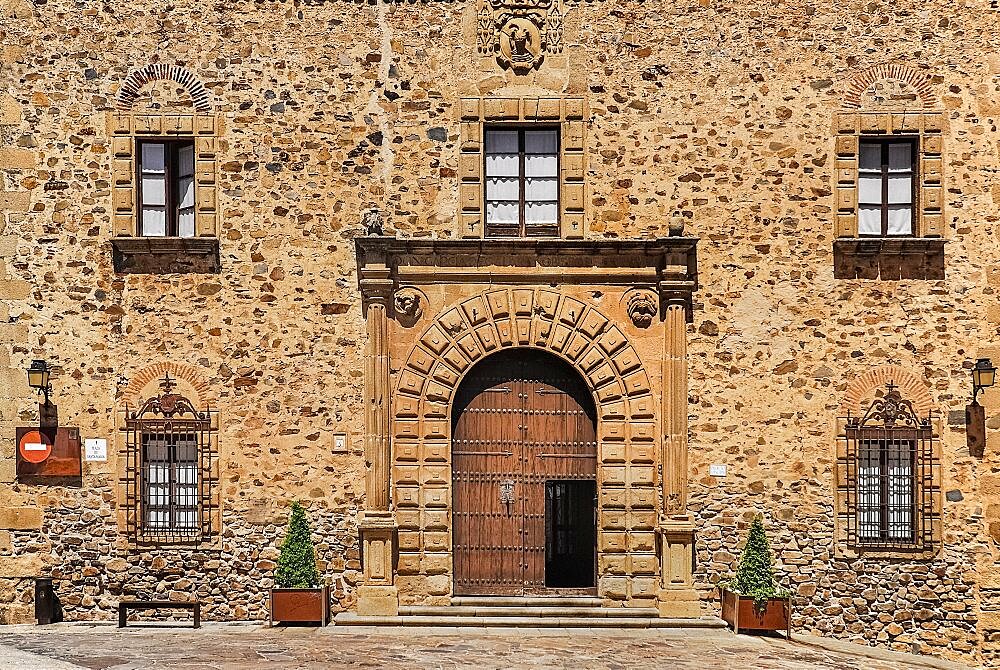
(170, 469)
(890, 462)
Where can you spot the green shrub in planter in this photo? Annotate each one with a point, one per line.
(297, 562)
(755, 573)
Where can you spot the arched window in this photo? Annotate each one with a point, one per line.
(890, 467)
(169, 452)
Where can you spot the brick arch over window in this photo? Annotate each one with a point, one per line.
(143, 384)
(918, 81)
(137, 79)
(580, 334)
(911, 387)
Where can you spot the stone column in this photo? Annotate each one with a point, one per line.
(676, 596)
(378, 595)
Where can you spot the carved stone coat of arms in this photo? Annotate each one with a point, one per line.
(520, 32)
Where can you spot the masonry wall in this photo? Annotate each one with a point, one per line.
(721, 112)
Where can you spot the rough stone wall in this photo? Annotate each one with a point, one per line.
(722, 111)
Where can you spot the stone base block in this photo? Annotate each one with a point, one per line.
(378, 601)
(678, 603)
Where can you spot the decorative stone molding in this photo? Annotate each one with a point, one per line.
(137, 79)
(641, 306)
(408, 303)
(912, 387)
(569, 113)
(520, 32)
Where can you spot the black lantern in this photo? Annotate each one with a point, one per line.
(983, 376)
(38, 378)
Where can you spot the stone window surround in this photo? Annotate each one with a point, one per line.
(915, 390)
(197, 390)
(569, 113)
(924, 125)
(126, 128)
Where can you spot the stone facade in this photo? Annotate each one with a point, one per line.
(739, 121)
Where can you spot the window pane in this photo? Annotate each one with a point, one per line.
(185, 192)
(153, 190)
(501, 142)
(541, 189)
(502, 212)
(869, 492)
(871, 156)
(900, 157)
(541, 166)
(540, 212)
(186, 519)
(502, 189)
(900, 482)
(541, 141)
(870, 190)
(869, 221)
(502, 165)
(900, 217)
(185, 160)
(185, 223)
(899, 190)
(153, 158)
(154, 221)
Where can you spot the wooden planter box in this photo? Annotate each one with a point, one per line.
(301, 605)
(739, 612)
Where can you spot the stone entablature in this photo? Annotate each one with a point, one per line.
(566, 297)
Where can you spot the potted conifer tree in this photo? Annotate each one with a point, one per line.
(298, 595)
(752, 600)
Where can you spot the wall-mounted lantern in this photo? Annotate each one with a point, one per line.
(983, 377)
(38, 378)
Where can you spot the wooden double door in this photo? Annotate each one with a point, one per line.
(524, 464)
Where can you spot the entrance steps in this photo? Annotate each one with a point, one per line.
(526, 612)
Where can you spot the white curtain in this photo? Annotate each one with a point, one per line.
(185, 191)
(154, 175)
(900, 473)
(869, 492)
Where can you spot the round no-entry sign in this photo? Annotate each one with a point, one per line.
(35, 446)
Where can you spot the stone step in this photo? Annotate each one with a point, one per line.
(529, 611)
(352, 619)
(526, 601)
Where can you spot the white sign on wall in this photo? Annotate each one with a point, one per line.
(95, 449)
(339, 443)
(717, 470)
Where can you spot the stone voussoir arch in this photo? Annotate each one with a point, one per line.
(146, 74)
(543, 319)
(911, 387)
(919, 81)
(540, 318)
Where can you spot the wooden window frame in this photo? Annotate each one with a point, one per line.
(171, 165)
(884, 142)
(522, 227)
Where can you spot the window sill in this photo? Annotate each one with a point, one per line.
(888, 258)
(165, 255)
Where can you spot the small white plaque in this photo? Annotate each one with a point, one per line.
(95, 449)
(717, 470)
(35, 446)
(339, 442)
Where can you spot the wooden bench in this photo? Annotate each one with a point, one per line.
(125, 606)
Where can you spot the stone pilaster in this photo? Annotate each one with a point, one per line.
(378, 594)
(676, 596)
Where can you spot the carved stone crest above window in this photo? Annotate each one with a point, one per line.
(520, 32)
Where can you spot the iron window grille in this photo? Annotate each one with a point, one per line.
(890, 463)
(169, 480)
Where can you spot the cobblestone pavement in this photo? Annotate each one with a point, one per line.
(252, 647)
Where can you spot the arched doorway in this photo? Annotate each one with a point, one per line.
(524, 472)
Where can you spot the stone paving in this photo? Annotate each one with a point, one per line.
(253, 647)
